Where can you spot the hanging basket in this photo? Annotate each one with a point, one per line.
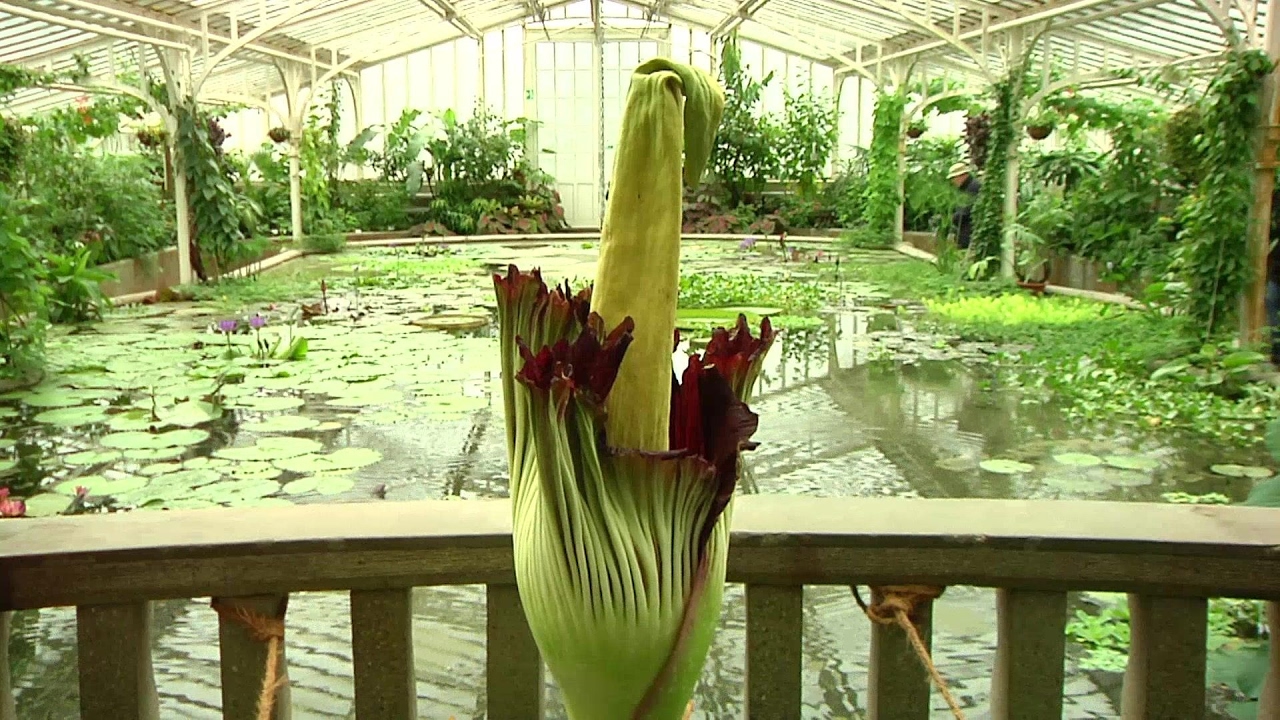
(1039, 132)
(278, 134)
(914, 132)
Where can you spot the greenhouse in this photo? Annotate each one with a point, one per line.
(769, 359)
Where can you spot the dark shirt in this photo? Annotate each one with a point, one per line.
(962, 218)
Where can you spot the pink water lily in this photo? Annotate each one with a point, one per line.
(11, 508)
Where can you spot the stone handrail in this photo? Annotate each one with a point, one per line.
(1170, 558)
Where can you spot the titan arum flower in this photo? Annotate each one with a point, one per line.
(622, 475)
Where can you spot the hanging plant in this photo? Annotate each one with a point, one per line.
(278, 135)
(916, 129)
(1041, 124)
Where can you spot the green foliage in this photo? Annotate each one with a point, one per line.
(374, 205)
(1182, 144)
(881, 210)
(1104, 637)
(401, 146)
(809, 136)
(988, 209)
(22, 295)
(1215, 216)
(482, 149)
(930, 197)
(725, 290)
(324, 242)
(16, 77)
(845, 194)
(214, 202)
(75, 294)
(746, 152)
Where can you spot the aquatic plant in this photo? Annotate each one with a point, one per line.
(622, 477)
(11, 507)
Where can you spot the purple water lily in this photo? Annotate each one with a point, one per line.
(257, 322)
(227, 326)
(747, 243)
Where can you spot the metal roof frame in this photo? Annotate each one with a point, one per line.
(237, 47)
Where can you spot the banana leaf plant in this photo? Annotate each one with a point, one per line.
(622, 474)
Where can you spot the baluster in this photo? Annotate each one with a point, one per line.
(775, 633)
(7, 709)
(898, 684)
(116, 680)
(513, 667)
(382, 653)
(1269, 703)
(1165, 675)
(1027, 683)
(244, 659)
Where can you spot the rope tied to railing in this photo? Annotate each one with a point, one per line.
(263, 629)
(896, 605)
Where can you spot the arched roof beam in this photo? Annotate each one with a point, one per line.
(446, 9)
(1051, 11)
(161, 21)
(745, 10)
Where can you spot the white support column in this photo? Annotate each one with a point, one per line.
(1008, 253)
(597, 74)
(357, 112)
(176, 67)
(291, 76)
(532, 150)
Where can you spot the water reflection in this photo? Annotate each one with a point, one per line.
(840, 416)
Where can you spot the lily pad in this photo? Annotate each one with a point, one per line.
(73, 416)
(46, 504)
(333, 484)
(271, 403)
(301, 486)
(7, 465)
(281, 424)
(1077, 484)
(101, 486)
(271, 448)
(6, 443)
(52, 399)
(91, 457)
(256, 470)
(452, 321)
(357, 399)
(142, 440)
(186, 479)
(1005, 467)
(956, 464)
(205, 462)
(1131, 462)
(1076, 459)
(189, 414)
(1242, 471)
(160, 453)
(343, 459)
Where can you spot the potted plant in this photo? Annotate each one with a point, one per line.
(916, 128)
(1031, 264)
(278, 134)
(1041, 124)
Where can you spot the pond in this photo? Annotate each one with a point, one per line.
(395, 395)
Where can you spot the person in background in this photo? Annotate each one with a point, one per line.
(962, 218)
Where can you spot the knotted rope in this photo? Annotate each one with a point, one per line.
(263, 629)
(895, 605)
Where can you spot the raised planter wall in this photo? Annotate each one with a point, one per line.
(157, 271)
(1070, 271)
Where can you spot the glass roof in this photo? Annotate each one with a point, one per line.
(236, 47)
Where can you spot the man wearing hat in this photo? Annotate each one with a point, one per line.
(962, 218)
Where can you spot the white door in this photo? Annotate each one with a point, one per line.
(620, 60)
(569, 128)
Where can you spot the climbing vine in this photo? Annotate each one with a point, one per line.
(881, 210)
(988, 209)
(1215, 215)
(210, 193)
(15, 77)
